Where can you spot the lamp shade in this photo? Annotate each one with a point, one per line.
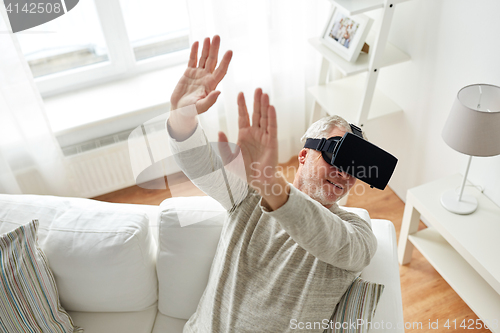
(473, 125)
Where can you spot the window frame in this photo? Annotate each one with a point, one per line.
(121, 63)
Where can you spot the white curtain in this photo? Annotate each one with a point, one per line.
(269, 39)
(30, 157)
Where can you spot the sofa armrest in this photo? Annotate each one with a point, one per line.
(384, 269)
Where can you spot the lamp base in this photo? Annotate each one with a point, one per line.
(467, 205)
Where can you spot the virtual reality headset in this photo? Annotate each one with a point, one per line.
(357, 157)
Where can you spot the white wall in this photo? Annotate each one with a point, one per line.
(452, 43)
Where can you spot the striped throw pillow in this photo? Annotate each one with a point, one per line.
(29, 301)
(356, 308)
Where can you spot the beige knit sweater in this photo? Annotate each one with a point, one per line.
(272, 270)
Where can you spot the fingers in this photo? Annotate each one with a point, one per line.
(243, 118)
(224, 149)
(264, 105)
(272, 127)
(213, 54)
(193, 56)
(256, 107)
(208, 58)
(204, 53)
(264, 114)
(222, 137)
(204, 104)
(221, 71)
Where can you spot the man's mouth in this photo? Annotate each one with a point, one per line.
(337, 185)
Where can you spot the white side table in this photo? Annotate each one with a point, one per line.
(464, 249)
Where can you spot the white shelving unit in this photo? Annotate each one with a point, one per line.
(355, 97)
(462, 248)
(343, 96)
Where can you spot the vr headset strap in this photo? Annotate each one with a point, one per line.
(323, 144)
(356, 131)
(318, 144)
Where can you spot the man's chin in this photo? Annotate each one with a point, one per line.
(324, 195)
(330, 197)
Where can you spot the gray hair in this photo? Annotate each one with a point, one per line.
(323, 127)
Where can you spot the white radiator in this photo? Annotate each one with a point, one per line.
(106, 169)
(89, 171)
(104, 164)
(101, 170)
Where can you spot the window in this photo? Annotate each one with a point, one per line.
(155, 32)
(100, 40)
(70, 41)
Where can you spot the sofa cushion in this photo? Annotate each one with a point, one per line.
(166, 324)
(102, 254)
(356, 308)
(189, 233)
(28, 292)
(122, 322)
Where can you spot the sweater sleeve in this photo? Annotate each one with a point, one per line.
(337, 237)
(199, 161)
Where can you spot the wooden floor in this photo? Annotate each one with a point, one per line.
(426, 296)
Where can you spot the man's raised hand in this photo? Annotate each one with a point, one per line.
(195, 93)
(258, 142)
(197, 85)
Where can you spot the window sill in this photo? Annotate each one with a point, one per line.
(111, 108)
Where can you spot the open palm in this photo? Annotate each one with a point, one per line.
(197, 85)
(258, 141)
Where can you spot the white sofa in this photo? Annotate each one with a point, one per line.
(141, 269)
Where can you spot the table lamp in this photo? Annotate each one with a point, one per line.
(472, 128)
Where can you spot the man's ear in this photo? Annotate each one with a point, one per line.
(302, 156)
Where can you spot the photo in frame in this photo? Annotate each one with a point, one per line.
(345, 34)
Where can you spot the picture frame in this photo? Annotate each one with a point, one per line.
(345, 34)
